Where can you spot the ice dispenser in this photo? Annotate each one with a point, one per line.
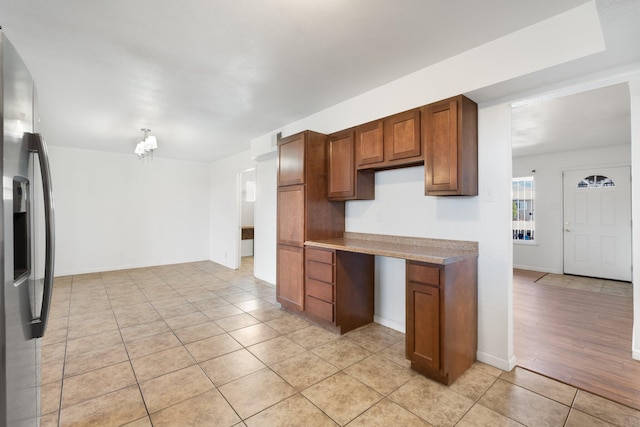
(21, 232)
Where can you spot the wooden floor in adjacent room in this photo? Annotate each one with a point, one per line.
(577, 330)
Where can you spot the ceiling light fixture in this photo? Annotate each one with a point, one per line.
(145, 148)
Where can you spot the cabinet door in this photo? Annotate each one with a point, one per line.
(441, 146)
(290, 277)
(291, 216)
(423, 325)
(369, 144)
(291, 160)
(402, 135)
(341, 166)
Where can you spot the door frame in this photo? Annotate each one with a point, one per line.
(632, 79)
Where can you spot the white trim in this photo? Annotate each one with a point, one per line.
(526, 242)
(536, 268)
(119, 267)
(580, 84)
(389, 323)
(505, 365)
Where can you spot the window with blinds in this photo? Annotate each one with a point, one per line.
(523, 195)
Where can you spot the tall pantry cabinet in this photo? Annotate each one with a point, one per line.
(304, 211)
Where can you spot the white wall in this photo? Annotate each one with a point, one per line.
(224, 208)
(400, 208)
(634, 90)
(546, 254)
(247, 207)
(264, 255)
(114, 212)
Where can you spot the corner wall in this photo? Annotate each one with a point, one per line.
(634, 89)
(485, 218)
(114, 212)
(224, 208)
(264, 257)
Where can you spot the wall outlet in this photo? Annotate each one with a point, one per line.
(490, 195)
(379, 216)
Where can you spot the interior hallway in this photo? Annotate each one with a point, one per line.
(577, 330)
(198, 344)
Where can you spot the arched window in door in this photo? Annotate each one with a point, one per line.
(596, 181)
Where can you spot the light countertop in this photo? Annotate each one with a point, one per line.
(434, 251)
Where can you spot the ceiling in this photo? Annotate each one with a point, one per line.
(588, 119)
(208, 76)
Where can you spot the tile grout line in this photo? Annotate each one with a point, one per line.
(64, 360)
(286, 335)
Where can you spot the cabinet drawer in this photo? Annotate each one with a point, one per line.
(319, 271)
(322, 291)
(319, 255)
(423, 273)
(320, 309)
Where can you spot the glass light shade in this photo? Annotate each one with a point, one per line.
(150, 143)
(139, 148)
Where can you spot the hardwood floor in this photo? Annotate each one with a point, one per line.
(577, 336)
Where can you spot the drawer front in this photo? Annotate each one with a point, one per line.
(319, 271)
(322, 291)
(423, 273)
(320, 309)
(319, 255)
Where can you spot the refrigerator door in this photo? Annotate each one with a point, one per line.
(19, 357)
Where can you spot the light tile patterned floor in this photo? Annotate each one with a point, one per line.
(200, 345)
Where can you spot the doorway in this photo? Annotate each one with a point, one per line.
(247, 207)
(597, 222)
(564, 331)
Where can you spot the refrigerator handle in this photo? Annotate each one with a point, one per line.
(36, 145)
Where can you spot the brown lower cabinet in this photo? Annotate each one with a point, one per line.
(442, 318)
(338, 288)
(289, 276)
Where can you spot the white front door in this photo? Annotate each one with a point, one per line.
(597, 223)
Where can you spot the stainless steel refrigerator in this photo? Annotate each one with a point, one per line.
(27, 248)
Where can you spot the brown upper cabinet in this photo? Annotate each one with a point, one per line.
(345, 182)
(402, 138)
(443, 136)
(369, 144)
(390, 142)
(291, 160)
(450, 137)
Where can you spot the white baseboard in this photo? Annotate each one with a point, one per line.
(103, 269)
(400, 327)
(505, 365)
(536, 268)
(635, 354)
